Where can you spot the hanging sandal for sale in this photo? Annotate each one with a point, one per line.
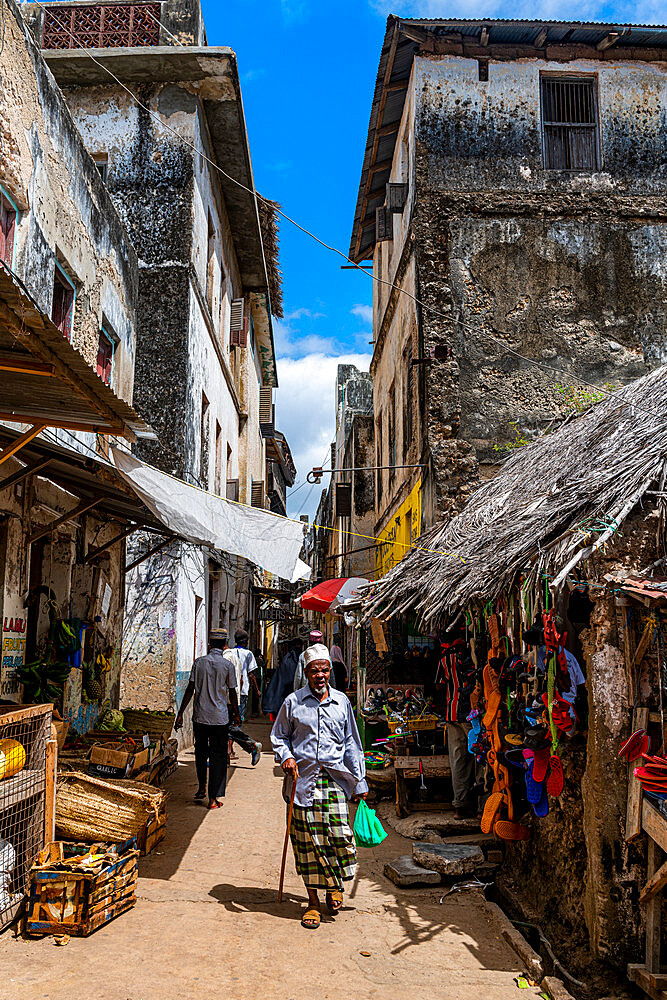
(555, 779)
(638, 745)
(491, 810)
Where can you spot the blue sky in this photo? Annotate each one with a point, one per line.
(307, 72)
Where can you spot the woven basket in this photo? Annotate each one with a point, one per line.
(92, 809)
(137, 721)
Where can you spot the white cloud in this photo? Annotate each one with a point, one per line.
(362, 312)
(643, 11)
(306, 415)
(303, 312)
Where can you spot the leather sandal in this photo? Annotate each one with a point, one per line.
(334, 900)
(311, 919)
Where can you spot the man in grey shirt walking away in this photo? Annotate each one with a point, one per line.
(212, 679)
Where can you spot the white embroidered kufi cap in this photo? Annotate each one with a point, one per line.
(317, 652)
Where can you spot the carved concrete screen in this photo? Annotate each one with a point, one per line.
(101, 26)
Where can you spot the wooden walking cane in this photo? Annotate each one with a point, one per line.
(287, 833)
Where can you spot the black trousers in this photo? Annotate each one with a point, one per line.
(237, 735)
(211, 748)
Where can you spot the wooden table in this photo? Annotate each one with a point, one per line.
(407, 769)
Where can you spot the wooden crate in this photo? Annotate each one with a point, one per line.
(70, 896)
(153, 833)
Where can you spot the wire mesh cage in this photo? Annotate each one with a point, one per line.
(23, 737)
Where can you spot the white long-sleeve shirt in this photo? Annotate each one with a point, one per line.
(320, 734)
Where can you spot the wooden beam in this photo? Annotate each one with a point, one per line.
(382, 165)
(633, 819)
(643, 643)
(654, 884)
(61, 421)
(484, 36)
(94, 553)
(654, 825)
(608, 41)
(151, 552)
(653, 914)
(21, 441)
(25, 366)
(388, 129)
(80, 508)
(28, 470)
(653, 985)
(397, 85)
(541, 38)
(50, 792)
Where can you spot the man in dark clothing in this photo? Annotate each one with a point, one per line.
(282, 681)
(457, 677)
(212, 680)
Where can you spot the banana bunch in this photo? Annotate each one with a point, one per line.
(103, 663)
(43, 681)
(66, 639)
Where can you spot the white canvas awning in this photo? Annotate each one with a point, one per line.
(268, 540)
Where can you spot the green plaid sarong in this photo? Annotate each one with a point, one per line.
(322, 840)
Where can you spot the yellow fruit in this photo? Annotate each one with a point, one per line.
(12, 758)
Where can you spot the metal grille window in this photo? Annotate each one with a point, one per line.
(570, 123)
(101, 26)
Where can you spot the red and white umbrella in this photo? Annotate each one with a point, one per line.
(331, 594)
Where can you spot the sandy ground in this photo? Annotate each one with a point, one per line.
(207, 923)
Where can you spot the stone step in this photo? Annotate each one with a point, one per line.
(448, 859)
(405, 872)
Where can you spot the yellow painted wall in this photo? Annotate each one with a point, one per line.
(400, 532)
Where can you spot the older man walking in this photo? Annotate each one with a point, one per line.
(315, 738)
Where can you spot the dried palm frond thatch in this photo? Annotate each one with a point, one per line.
(553, 504)
(268, 220)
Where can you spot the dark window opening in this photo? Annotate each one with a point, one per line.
(7, 230)
(570, 123)
(210, 265)
(105, 353)
(62, 308)
(102, 163)
(204, 442)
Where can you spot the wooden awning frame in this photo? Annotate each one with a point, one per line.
(33, 348)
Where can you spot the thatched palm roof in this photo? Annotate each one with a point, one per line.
(268, 220)
(553, 504)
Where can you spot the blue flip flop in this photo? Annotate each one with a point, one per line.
(541, 808)
(534, 789)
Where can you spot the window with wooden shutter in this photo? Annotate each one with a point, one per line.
(343, 500)
(62, 305)
(383, 224)
(397, 195)
(7, 230)
(238, 325)
(105, 352)
(257, 494)
(266, 425)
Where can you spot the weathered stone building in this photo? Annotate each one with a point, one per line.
(513, 183)
(161, 113)
(68, 296)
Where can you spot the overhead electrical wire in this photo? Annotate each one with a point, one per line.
(383, 281)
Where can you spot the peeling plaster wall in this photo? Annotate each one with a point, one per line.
(65, 212)
(170, 196)
(565, 268)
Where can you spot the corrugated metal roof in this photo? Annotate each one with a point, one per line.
(500, 32)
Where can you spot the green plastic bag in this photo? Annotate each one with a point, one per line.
(368, 830)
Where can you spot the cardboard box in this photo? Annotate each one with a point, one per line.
(116, 761)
